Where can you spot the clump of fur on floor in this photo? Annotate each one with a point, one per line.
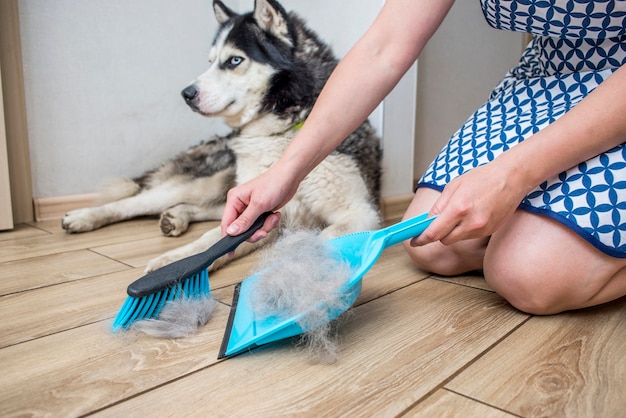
(178, 318)
(300, 274)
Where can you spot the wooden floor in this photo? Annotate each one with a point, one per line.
(415, 345)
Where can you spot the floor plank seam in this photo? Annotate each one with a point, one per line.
(488, 349)
(394, 290)
(93, 251)
(53, 285)
(39, 228)
(24, 291)
(485, 351)
(483, 403)
(223, 303)
(451, 281)
(155, 387)
(57, 332)
(445, 381)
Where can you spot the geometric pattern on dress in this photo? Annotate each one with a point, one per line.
(589, 198)
(510, 117)
(553, 75)
(581, 19)
(549, 56)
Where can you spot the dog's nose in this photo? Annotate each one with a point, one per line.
(189, 93)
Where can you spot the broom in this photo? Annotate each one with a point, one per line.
(186, 278)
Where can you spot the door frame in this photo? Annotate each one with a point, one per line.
(15, 128)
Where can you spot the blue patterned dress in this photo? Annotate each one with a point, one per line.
(577, 44)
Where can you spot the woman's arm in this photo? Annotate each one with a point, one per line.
(364, 77)
(477, 203)
(359, 83)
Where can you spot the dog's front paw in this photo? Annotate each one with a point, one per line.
(172, 225)
(161, 261)
(81, 220)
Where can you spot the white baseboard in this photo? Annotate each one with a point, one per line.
(51, 208)
(393, 207)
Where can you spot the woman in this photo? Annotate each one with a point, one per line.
(532, 189)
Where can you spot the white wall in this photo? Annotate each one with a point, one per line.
(459, 67)
(103, 80)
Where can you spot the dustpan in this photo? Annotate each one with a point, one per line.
(246, 329)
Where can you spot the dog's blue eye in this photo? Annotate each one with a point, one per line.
(233, 62)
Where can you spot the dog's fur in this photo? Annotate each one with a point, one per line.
(266, 71)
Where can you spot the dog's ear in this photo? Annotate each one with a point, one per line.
(271, 17)
(222, 13)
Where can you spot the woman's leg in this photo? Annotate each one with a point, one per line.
(537, 264)
(542, 267)
(446, 260)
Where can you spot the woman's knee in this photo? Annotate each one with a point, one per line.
(437, 258)
(429, 259)
(546, 287)
(541, 267)
(521, 286)
(447, 260)
(520, 268)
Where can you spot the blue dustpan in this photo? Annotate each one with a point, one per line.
(246, 330)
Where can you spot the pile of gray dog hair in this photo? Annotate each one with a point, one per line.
(298, 274)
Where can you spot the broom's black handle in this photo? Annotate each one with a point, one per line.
(229, 243)
(181, 270)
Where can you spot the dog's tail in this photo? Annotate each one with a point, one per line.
(116, 189)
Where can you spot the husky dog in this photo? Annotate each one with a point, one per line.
(265, 73)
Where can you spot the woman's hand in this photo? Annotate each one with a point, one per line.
(246, 202)
(475, 204)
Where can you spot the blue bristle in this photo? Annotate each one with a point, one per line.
(149, 306)
(177, 292)
(204, 283)
(139, 307)
(123, 314)
(188, 285)
(159, 303)
(150, 310)
(170, 292)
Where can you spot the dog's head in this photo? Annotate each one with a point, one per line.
(247, 56)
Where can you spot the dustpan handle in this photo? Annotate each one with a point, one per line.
(406, 229)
